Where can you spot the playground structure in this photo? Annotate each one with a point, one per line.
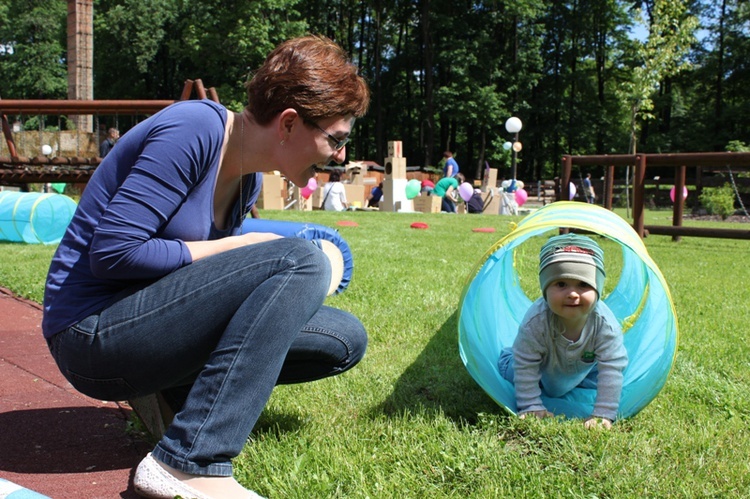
(729, 161)
(74, 158)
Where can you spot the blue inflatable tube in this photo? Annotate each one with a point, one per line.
(34, 217)
(493, 305)
(308, 231)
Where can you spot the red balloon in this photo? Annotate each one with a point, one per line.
(305, 192)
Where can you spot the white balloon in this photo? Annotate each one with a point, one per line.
(46, 150)
(513, 125)
(572, 191)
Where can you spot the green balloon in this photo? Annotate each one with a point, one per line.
(413, 187)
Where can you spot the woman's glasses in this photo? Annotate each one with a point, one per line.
(338, 144)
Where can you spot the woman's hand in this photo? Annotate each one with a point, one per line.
(594, 422)
(202, 249)
(539, 414)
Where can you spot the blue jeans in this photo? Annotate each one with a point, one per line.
(447, 205)
(215, 336)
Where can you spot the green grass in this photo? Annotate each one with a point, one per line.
(410, 422)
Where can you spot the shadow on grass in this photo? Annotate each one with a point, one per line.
(274, 422)
(438, 382)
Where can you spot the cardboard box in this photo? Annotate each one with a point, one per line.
(394, 195)
(395, 168)
(272, 194)
(355, 194)
(427, 204)
(302, 204)
(395, 149)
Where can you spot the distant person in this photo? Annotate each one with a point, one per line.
(569, 337)
(588, 189)
(334, 194)
(113, 134)
(447, 188)
(475, 203)
(375, 196)
(451, 168)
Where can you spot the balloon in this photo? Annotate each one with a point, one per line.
(672, 192)
(519, 184)
(46, 149)
(413, 187)
(572, 191)
(507, 146)
(428, 184)
(305, 192)
(465, 190)
(506, 184)
(312, 184)
(521, 197)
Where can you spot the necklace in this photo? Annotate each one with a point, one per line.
(243, 208)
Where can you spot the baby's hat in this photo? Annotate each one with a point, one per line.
(571, 256)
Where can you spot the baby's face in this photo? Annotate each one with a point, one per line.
(571, 299)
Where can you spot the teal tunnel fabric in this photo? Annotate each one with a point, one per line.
(493, 305)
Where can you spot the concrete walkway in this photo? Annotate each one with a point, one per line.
(54, 440)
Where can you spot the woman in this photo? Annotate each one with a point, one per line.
(154, 289)
(334, 194)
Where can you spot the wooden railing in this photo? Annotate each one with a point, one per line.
(736, 160)
(19, 169)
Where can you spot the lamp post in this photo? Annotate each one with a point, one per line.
(514, 125)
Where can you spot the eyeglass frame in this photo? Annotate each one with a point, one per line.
(338, 144)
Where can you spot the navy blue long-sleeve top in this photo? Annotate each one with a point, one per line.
(154, 191)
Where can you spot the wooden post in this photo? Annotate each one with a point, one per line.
(567, 167)
(679, 200)
(639, 191)
(609, 186)
(187, 90)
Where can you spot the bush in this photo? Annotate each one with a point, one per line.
(718, 200)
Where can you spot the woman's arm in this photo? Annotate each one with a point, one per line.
(202, 249)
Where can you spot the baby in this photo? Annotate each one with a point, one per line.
(568, 337)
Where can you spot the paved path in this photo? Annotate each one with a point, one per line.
(54, 440)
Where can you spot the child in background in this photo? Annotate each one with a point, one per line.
(568, 337)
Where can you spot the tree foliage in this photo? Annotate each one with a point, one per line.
(445, 74)
(32, 49)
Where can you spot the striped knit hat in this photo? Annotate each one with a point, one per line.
(571, 256)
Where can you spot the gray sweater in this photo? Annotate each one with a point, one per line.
(541, 352)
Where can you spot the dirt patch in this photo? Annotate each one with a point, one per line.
(716, 218)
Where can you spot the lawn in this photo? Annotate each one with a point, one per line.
(409, 421)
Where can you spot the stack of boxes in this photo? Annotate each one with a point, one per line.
(394, 183)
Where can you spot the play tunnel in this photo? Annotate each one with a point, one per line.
(33, 217)
(493, 305)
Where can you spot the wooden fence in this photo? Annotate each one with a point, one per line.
(737, 161)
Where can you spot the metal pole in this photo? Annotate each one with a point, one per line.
(513, 160)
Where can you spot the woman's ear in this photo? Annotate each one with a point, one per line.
(287, 120)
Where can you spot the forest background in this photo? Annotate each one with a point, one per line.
(584, 76)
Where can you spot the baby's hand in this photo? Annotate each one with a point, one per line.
(594, 422)
(539, 414)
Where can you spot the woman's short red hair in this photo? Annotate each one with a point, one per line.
(312, 75)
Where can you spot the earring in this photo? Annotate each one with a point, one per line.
(282, 142)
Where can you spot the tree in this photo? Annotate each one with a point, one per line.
(670, 34)
(32, 49)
